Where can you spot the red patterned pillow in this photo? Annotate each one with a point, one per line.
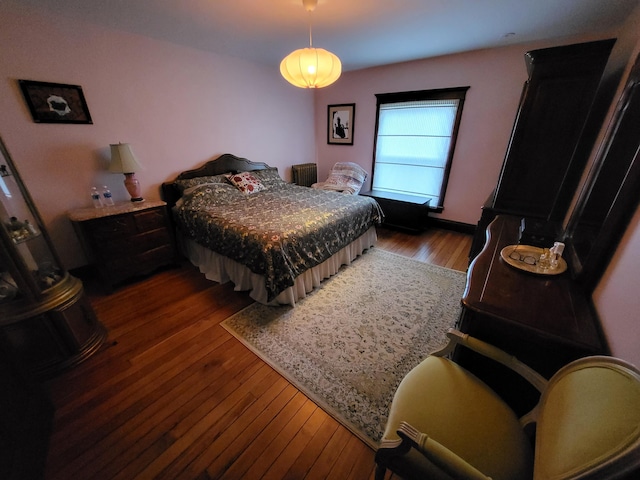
(246, 182)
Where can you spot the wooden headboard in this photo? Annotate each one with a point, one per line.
(225, 163)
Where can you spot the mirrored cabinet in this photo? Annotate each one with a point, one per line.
(45, 318)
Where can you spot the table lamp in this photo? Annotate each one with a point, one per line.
(124, 161)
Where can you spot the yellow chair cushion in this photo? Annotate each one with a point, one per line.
(450, 405)
(588, 416)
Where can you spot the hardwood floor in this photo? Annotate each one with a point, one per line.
(172, 395)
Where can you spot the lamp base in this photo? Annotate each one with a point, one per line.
(132, 185)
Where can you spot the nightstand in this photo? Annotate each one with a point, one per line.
(126, 240)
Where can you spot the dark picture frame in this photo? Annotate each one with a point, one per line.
(55, 102)
(340, 122)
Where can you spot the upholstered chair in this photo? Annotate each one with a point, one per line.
(445, 423)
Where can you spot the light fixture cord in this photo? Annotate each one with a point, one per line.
(310, 6)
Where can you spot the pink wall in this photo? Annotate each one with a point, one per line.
(178, 107)
(617, 299)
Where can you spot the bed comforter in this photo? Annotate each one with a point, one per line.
(279, 232)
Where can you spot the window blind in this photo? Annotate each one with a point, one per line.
(412, 147)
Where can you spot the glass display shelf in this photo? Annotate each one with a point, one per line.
(45, 318)
(27, 251)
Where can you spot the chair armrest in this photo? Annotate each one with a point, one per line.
(483, 348)
(439, 455)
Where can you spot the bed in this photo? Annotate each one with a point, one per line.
(238, 221)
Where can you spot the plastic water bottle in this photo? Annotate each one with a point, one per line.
(95, 198)
(31, 228)
(106, 196)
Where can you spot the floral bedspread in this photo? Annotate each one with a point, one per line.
(278, 232)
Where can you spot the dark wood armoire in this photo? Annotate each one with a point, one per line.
(550, 142)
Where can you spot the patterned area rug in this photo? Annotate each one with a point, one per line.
(348, 344)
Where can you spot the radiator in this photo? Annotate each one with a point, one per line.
(305, 174)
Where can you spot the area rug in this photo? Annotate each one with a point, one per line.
(348, 344)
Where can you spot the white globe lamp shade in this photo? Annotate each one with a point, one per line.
(311, 68)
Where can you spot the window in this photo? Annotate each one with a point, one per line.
(415, 139)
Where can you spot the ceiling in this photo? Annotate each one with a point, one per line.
(363, 33)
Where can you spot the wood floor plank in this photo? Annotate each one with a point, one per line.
(188, 413)
(172, 395)
(115, 360)
(128, 376)
(141, 385)
(216, 454)
(174, 399)
(329, 455)
(192, 428)
(361, 466)
(296, 446)
(248, 457)
(155, 427)
(306, 459)
(344, 464)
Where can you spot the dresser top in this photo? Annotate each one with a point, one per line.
(548, 306)
(91, 213)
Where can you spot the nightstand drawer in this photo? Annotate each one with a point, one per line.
(122, 268)
(150, 219)
(104, 229)
(107, 230)
(133, 245)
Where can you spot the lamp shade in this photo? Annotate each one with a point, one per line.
(311, 68)
(123, 160)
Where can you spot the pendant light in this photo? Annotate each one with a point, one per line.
(311, 67)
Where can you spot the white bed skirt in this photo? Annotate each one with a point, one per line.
(222, 269)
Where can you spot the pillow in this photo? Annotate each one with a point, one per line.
(246, 182)
(269, 177)
(347, 176)
(208, 195)
(192, 182)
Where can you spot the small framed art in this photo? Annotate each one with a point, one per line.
(55, 102)
(340, 123)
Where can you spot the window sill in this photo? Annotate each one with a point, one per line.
(398, 197)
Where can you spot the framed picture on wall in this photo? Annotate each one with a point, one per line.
(55, 102)
(340, 123)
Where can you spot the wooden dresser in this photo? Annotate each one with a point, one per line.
(126, 240)
(545, 321)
